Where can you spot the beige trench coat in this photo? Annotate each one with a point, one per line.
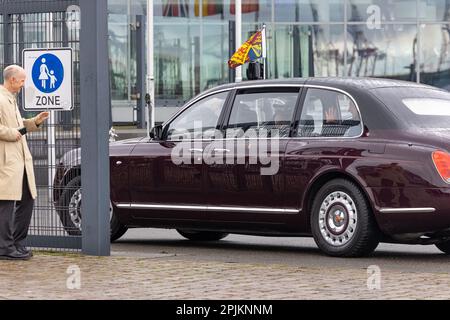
(14, 156)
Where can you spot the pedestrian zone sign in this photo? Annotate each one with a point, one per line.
(49, 84)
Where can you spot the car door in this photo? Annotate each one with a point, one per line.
(166, 176)
(244, 170)
(324, 139)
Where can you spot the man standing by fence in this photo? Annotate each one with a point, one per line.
(17, 181)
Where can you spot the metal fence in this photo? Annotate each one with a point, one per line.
(49, 24)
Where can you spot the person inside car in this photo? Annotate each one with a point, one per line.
(334, 126)
(331, 123)
(282, 120)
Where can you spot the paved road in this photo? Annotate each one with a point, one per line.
(270, 250)
(159, 264)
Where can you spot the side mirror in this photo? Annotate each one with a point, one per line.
(156, 132)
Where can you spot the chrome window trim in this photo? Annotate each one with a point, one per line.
(204, 208)
(264, 86)
(407, 210)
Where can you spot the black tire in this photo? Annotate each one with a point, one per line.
(117, 229)
(341, 204)
(71, 189)
(444, 246)
(63, 206)
(202, 235)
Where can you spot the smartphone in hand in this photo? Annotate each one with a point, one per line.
(23, 131)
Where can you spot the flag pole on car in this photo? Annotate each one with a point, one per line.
(264, 50)
(251, 51)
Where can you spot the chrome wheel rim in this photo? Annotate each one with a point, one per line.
(338, 218)
(75, 209)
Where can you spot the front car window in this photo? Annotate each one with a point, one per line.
(199, 121)
(257, 113)
(328, 113)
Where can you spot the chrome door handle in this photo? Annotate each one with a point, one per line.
(118, 163)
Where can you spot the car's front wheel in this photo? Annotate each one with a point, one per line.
(69, 211)
(342, 222)
(202, 235)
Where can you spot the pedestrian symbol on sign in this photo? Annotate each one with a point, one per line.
(48, 73)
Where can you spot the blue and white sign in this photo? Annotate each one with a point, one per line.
(49, 84)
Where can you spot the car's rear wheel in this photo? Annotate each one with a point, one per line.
(444, 246)
(69, 211)
(342, 222)
(202, 235)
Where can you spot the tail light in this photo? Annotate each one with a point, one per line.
(441, 160)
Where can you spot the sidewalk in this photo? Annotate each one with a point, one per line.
(164, 276)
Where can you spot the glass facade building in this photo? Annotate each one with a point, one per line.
(193, 40)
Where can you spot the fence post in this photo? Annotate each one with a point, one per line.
(140, 64)
(94, 127)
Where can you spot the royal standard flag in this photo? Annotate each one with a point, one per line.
(251, 50)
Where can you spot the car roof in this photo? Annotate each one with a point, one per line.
(338, 82)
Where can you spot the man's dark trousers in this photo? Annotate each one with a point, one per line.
(14, 224)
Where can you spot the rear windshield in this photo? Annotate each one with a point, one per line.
(418, 107)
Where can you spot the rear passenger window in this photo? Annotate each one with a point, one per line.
(255, 113)
(328, 113)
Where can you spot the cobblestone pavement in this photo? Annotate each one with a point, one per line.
(164, 276)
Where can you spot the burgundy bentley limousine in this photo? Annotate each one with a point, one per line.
(350, 162)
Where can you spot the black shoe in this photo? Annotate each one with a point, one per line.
(24, 250)
(15, 255)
